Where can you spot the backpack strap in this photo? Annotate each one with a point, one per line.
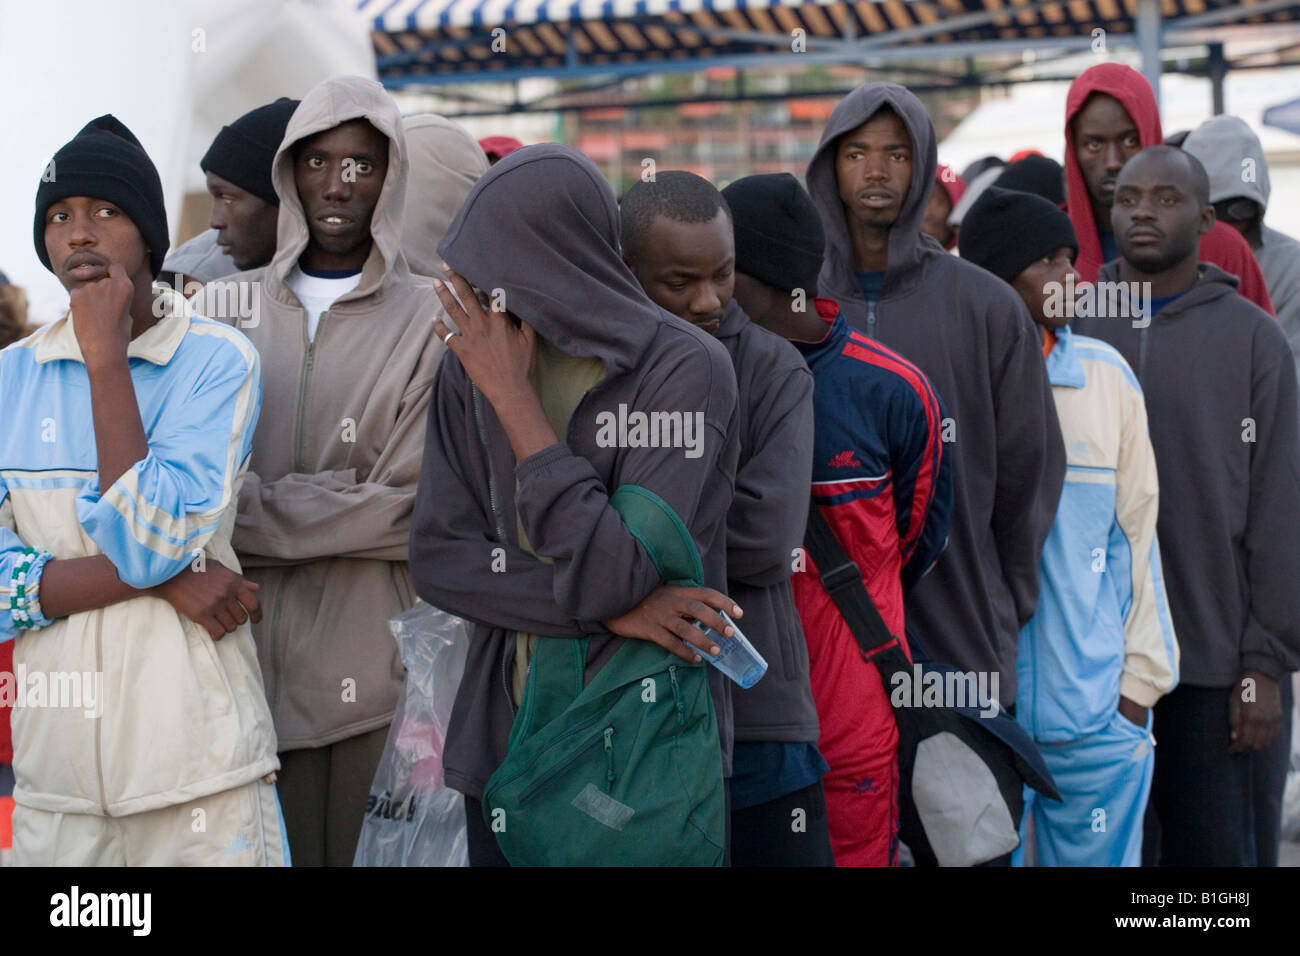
(843, 582)
(663, 534)
(558, 667)
(842, 579)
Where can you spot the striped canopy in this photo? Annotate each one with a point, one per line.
(448, 40)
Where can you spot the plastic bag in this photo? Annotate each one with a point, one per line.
(412, 818)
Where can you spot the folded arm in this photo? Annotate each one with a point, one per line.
(600, 568)
(164, 508)
(458, 563)
(307, 517)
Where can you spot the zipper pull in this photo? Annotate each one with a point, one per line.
(609, 758)
(677, 694)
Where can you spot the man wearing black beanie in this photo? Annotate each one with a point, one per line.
(115, 544)
(106, 161)
(1035, 174)
(1100, 649)
(777, 244)
(875, 414)
(1008, 230)
(237, 166)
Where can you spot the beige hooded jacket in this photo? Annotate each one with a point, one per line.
(324, 516)
(446, 162)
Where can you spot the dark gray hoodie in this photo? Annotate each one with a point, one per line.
(1220, 390)
(766, 523)
(972, 336)
(542, 226)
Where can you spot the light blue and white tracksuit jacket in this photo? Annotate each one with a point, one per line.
(1102, 627)
(181, 716)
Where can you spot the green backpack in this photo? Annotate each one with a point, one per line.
(626, 771)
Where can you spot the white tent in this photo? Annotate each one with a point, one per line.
(174, 71)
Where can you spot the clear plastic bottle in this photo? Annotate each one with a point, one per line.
(736, 658)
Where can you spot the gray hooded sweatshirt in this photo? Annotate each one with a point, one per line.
(973, 338)
(765, 525)
(1221, 399)
(200, 258)
(541, 226)
(1234, 158)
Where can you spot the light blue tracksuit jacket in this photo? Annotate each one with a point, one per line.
(1102, 626)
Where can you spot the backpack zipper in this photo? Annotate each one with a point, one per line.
(609, 759)
(677, 695)
(560, 767)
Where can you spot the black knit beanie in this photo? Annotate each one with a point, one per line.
(105, 161)
(779, 237)
(243, 152)
(1006, 230)
(1035, 174)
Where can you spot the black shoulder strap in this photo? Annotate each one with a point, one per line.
(842, 580)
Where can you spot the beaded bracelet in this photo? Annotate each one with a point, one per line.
(24, 602)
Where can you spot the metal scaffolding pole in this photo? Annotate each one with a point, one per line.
(1147, 24)
(1217, 68)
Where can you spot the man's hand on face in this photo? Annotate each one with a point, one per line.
(101, 312)
(498, 355)
(665, 617)
(1254, 722)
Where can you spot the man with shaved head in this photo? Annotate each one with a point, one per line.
(1220, 391)
(677, 238)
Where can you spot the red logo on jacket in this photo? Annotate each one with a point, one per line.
(844, 459)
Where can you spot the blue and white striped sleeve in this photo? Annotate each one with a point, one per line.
(21, 567)
(164, 508)
(11, 551)
(20, 576)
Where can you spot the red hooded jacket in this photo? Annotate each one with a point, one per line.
(1223, 245)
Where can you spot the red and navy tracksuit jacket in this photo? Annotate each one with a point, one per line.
(884, 484)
